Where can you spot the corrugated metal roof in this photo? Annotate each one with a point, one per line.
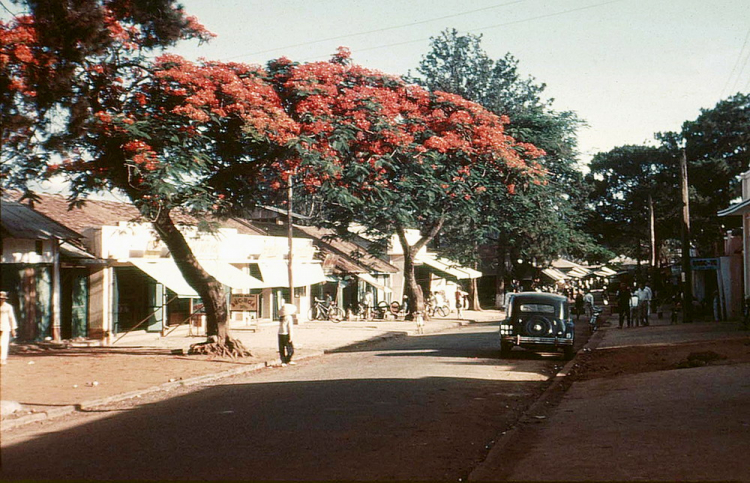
(98, 213)
(21, 221)
(348, 250)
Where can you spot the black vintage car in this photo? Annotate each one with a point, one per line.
(538, 321)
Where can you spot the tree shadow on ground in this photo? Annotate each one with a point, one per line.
(433, 428)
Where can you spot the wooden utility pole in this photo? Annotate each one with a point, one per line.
(652, 230)
(290, 239)
(687, 272)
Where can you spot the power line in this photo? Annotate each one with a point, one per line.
(742, 71)
(491, 26)
(377, 30)
(736, 64)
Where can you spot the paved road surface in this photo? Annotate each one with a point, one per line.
(416, 408)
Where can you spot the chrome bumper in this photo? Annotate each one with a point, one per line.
(521, 340)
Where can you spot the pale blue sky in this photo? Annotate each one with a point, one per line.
(629, 68)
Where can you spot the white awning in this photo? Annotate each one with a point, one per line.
(366, 277)
(164, 271)
(579, 272)
(554, 274)
(230, 275)
(451, 268)
(276, 273)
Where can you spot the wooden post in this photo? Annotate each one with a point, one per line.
(290, 237)
(687, 273)
(652, 230)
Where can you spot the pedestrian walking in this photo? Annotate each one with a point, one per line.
(588, 304)
(459, 303)
(634, 309)
(644, 298)
(8, 326)
(286, 329)
(623, 304)
(579, 304)
(369, 304)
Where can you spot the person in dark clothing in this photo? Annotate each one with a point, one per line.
(623, 302)
(579, 304)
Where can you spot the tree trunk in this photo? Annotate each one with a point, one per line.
(474, 295)
(501, 272)
(412, 289)
(209, 289)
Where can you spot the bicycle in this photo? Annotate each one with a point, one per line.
(320, 312)
(440, 310)
(594, 320)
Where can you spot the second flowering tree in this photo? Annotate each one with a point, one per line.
(392, 157)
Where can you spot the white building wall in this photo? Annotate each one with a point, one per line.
(19, 250)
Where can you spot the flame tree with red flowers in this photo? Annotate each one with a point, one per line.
(172, 135)
(392, 156)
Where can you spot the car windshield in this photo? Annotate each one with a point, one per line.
(538, 308)
(558, 311)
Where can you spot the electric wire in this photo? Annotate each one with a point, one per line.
(485, 28)
(384, 29)
(741, 72)
(736, 64)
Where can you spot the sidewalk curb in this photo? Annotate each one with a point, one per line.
(168, 386)
(483, 472)
(57, 412)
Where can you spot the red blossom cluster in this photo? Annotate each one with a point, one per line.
(385, 119)
(211, 90)
(19, 55)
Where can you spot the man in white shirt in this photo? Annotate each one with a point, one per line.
(286, 330)
(644, 298)
(8, 326)
(588, 304)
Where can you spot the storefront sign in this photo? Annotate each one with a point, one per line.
(244, 302)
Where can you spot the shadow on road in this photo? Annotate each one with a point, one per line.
(433, 428)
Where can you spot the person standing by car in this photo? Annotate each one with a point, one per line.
(623, 303)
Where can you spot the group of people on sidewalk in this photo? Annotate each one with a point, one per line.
(635, 306)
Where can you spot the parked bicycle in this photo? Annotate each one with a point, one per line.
(595, 320)
(440, 310)
(319, 311)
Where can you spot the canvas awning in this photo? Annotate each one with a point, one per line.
(554, 274)
(164, 271)
(230, 275)
(276, 273)
(579, 272)
(366, 277)
(605, 272)
(451, 268)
